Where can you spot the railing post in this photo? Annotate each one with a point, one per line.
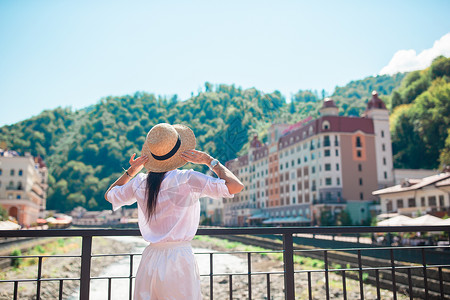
(85, 278)
(288, 259)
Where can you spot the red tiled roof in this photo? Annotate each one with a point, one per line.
(375, 102)
(337, 124)
(328, 102)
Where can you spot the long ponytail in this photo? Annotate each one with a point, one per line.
(152, 189)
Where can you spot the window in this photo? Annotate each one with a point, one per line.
(282, 190)
(385, 175)
(382, 133)
(18, 196)
(11, 172)
(383, 147)
(0, 184)
(337, 167)
(325, 125)
(299, 186)
(384, 161)
(281, 177)
(281, 167)
(338, 181)
(292, 163)
(287, 176)
(299, 173)
(313, 156)
(1, 171)
(293, 200)
(327, 153)
(328, 181)
(299, 161)
(358, 142)
(287, 165)
(389, 206)
(360, 181)
(422, 201)
(411, 202)
(361, 196)
(399, 203)
(327, 167)
(359, 167)
(358, 153)
(293, 187)
(326, 141)
(441, 200)
(313, 169)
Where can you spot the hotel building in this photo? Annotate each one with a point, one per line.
(329, 164)
(23, 186)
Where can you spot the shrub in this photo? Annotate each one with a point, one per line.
(16, 261)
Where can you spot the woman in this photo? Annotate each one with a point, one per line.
(169, 210)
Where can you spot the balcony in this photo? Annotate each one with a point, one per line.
(14, 188)
(387, 269)
(331, 200)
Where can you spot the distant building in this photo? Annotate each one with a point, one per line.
(401, 175)
(417, 196)
(23, 186)
(314, 167)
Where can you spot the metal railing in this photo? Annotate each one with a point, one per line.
(419, 271)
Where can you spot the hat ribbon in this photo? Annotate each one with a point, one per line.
(171, 153)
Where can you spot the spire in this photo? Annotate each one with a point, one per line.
(329, 108)
(255, 143)
(375, 102)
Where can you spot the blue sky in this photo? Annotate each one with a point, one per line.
(73, 53)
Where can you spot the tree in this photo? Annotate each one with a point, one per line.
(3, 214)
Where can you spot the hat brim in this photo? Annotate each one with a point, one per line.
(188, 142)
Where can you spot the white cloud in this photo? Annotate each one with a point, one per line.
(409, 60)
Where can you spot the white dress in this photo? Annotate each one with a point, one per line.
(168, 269)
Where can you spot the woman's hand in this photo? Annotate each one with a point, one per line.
(137, 164)
(196, 157)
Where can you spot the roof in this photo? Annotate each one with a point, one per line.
(328, 102)
(415, 184)
(337, 124)
(445, 182)
(375, 102)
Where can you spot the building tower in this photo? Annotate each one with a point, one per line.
(329, 108)
(377, 111)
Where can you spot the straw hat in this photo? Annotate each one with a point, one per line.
(163, 146)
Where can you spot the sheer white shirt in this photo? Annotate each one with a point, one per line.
(177, 212)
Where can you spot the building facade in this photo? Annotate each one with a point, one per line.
(414, 197)
(23, 186)
(314, 168)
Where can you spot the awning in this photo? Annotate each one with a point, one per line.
(257, 216)
(287, 220)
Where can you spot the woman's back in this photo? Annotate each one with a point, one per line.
(177, 213)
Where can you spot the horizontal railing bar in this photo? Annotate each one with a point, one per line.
(37, 256)
(241, 252)
(243, 274)
(120, 254)
(35, 280)
(227, 231)
(374, 268)
(372, 248)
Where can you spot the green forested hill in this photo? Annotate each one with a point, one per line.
(86, 149)
(348, 98)
(420, 118)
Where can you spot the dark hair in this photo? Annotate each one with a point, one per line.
(152, 189)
